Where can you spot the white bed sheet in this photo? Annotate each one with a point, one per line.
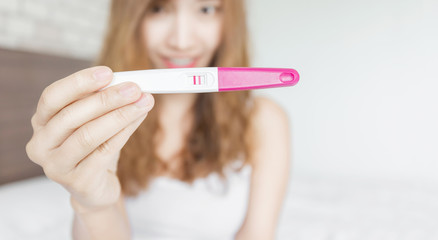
(36, 208)
(315, 209)
(336, 208)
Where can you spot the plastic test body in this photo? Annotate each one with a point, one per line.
(207, 79)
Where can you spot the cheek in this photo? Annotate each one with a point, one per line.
(153, 34)
(211, 34)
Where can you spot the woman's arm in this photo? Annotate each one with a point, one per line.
(270, 161)
(78, 132)
(109, 223)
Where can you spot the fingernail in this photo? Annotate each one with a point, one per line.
(143, 101)
(102, 74)
(127, 91)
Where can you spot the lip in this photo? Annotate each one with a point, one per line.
(169, 64)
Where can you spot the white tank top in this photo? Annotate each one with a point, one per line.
(210, 208)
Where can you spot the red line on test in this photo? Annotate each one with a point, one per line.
(194, 80)
(199, 80)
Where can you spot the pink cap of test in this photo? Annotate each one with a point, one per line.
(231, 79)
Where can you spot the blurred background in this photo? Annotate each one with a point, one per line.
(363, 116)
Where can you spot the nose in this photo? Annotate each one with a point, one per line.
(181, 36)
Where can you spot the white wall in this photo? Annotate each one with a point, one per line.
(58, 27)
(366, 104)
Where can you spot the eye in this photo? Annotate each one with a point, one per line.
(209, 10)
(156, 9)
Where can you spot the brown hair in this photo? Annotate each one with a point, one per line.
(219, 131)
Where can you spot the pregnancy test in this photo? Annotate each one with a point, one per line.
(207, 79)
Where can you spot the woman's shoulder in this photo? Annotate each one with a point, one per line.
(269, 124)
(267, 112)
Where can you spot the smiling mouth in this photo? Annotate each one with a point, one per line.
(180, 62)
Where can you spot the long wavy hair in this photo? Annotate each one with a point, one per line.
(219, 131)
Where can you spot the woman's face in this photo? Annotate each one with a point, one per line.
(182, 33)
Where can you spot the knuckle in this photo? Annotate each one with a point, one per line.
(66, 115)
(85, 138)
(30, 151)
(79, 79)
(34, 152)
(33, 121)
(104, 148)
(45, 97)
(121, 116)
(46, 91)
(104, 98)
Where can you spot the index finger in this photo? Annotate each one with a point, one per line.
(69, 89)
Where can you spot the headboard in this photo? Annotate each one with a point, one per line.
(23, 76)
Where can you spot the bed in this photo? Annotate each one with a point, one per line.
(316, 207)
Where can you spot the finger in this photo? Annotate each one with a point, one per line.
(99, 168)
(92, 134)
(100, 158)
(67, 90)
(82, 111)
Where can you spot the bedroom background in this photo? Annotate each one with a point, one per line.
(363, 116)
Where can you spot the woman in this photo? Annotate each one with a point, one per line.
(163, 176)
